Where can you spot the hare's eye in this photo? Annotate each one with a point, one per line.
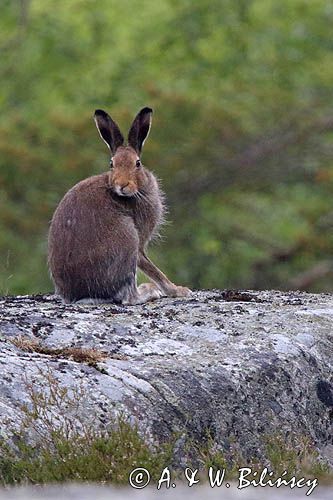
(111, 163)
(138, 163)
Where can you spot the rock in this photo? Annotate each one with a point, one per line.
(239, 365)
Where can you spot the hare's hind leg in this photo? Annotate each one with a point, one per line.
(164, 284)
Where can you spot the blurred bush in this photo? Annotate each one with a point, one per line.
(242, 132)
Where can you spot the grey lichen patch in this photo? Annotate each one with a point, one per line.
(238, 364)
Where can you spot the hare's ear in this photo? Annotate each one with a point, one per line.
(140, 129)
(108, 129)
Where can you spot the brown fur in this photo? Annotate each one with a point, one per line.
(100, 229)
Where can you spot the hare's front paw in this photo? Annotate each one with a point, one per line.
(179, 291)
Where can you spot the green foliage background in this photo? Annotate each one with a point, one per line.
(242, 132)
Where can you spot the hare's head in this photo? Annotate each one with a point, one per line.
(127, 176)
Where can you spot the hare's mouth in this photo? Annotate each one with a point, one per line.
(126, 195)
(124, 192)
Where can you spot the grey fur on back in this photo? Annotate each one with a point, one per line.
(95, 237)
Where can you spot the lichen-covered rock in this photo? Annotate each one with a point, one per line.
(239, 365)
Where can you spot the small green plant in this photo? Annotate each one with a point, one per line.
(59, 442)
(207, 454)
(297, 457)
(108, 456)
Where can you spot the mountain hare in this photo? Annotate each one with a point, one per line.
(100, 229)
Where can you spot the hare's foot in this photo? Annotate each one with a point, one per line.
(178, 291)
(149, 291)
(145, 292)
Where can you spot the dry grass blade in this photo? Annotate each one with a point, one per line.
(77, 354)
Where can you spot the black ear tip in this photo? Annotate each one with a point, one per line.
(100, 112)
(146, 110)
